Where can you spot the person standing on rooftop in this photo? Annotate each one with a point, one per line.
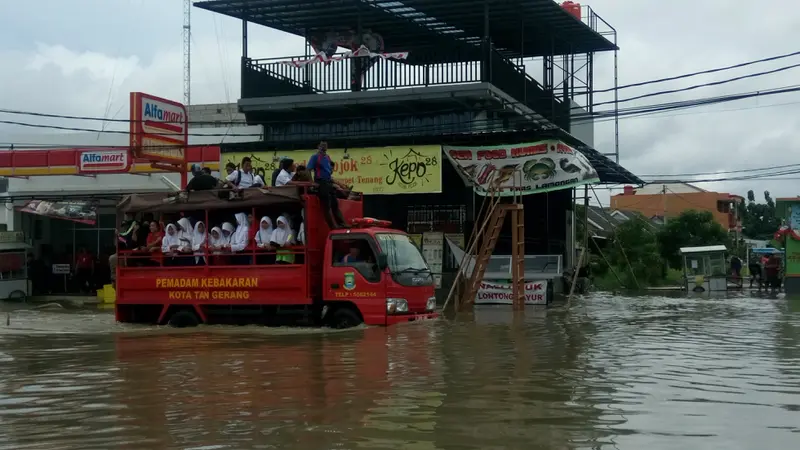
(321, 166)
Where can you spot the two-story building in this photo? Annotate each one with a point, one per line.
(419, 75)
(666, 199)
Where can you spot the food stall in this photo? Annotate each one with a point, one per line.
(705, 268)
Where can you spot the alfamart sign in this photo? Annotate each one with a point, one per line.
(104, 161)
(159, 128)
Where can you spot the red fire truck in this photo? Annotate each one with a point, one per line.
(388, 283)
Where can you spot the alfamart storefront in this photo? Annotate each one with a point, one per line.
(433, 192)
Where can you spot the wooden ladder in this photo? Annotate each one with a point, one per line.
(484, 253)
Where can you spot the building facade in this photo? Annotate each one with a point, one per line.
(50, 172)
(669, 199)
(417, 78)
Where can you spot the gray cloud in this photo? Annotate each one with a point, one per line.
(82, 53)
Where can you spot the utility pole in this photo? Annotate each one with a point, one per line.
(187, 51)
(664, 199)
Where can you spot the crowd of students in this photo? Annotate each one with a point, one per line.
(319, 164)
(183, 243)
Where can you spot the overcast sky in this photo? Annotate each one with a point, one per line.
(83, 57)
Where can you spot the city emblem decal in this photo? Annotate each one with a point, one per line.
(349, 280)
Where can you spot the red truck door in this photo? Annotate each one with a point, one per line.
(352, 275)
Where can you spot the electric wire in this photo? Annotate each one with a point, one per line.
(701, 72)
(757, 169)
(600, 113)
(489, 123)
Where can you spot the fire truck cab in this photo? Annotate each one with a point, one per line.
(368, 273)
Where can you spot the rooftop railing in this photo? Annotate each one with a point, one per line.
(272, 77)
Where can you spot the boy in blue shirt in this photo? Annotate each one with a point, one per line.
(321, 166)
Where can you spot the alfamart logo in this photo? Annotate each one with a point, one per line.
(104, 161)
(154, 111)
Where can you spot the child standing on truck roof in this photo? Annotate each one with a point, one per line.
(242, 178)
(321, 166)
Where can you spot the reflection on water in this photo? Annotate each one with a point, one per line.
(613, 373)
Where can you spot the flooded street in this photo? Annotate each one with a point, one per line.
(622, 373)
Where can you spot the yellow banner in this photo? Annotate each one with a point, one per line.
(377, 170)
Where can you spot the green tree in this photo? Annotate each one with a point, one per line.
(690, 229)
(641, 251)
(758, 219)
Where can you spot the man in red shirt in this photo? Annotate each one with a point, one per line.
(84, 268)
(772, 272)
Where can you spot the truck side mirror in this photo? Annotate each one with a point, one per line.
(382, 262)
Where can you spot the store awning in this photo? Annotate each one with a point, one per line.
(80, 211)
(5, 246)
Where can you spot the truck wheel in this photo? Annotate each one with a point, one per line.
(16, 296)
(183, 319)
(345, 318)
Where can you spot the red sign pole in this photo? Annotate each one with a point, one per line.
(184, 175)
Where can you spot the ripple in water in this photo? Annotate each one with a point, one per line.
(614, 372)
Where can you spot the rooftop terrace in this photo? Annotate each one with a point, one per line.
(518, 28)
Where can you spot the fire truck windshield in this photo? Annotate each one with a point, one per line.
(402, 256)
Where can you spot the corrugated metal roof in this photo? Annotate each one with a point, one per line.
(706, 249)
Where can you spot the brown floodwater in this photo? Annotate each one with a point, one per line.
(614, 372)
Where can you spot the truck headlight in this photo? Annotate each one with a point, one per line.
(396, 305)
(431, 304)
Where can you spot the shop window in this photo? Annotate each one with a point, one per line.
(107, 242)
(356, 252)
(12, 265)
(107, 221)
(37, 229)
(86, 239)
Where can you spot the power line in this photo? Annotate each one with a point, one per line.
(489, 123)
(650, 110)
(702, 85)
(702, 72)
(688, 88)
(720, 172)
(720, 111)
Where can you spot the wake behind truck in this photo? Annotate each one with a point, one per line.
(387, 282)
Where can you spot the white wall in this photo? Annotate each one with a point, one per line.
(216, 115)
(581, 128)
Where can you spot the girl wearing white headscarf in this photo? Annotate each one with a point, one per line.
(301, 235)
(218, 244)
(216, 240)
(227, 232)
(262, 238)
(170, 245)
(199, 238)
(240, 239)
(264, 232)
(282, 237)
(185, 235)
